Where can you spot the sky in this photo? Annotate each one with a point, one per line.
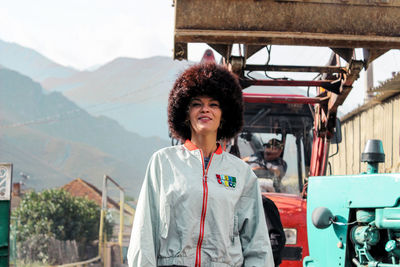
(88, 33)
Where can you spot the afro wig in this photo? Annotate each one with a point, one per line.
(211, 80)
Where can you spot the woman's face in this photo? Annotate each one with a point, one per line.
(204, 115)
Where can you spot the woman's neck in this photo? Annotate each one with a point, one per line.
(207, 144)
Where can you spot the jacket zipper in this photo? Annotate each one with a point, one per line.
(203, 210)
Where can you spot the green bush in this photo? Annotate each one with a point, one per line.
(56, 214)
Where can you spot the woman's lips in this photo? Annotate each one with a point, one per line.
(204, 119)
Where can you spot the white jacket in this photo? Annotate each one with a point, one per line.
(191, 216)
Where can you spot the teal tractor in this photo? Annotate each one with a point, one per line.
(355, 220)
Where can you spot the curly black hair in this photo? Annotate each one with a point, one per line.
(212, 80)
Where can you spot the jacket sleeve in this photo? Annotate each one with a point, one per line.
(256, 245)
(144, 243)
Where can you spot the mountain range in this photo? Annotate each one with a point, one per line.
(51, 139)
(132, 91)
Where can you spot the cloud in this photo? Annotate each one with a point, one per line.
(16, 31)
(85, 33)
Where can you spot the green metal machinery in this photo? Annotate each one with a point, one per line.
(355, 220)
(5, 199)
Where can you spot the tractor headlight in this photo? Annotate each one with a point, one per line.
(291, 236)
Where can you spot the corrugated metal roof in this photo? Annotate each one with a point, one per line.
(383, 92)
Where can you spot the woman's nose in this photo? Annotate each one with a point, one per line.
(205, 108)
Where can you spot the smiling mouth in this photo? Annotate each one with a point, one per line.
(204, 118)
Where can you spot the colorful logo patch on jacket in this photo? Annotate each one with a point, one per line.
(228, 181)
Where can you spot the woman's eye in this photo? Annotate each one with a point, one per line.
(214, 105)
(195, 104)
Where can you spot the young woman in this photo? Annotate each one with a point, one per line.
(200, 206)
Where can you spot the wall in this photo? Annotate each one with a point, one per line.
(381, 121)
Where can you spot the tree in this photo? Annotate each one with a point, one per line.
(56, 214)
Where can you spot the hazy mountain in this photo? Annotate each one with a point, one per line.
(132, 91)
(50, 138)
(31, 63)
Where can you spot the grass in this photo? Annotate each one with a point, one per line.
(20, 263)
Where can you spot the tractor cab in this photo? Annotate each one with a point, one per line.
(276, 140)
